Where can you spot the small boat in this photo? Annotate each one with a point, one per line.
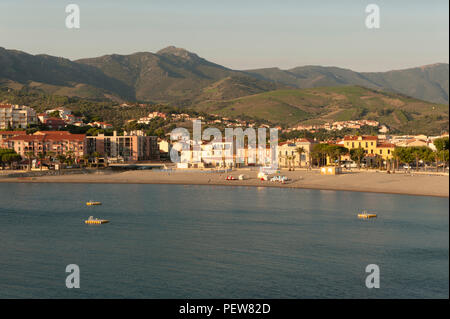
(92, 220)
(92, 203)
(366, 215)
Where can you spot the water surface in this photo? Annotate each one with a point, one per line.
(174, 241)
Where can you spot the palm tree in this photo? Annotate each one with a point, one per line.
(96, 155)
(86, 160)
(61, 158)
(339, 151)
(41, 157)
(396, 157)
(50, 155)
(357, 155)
(69, 157)
(300, 150)
(30, 156)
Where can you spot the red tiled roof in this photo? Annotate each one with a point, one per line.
(13, 132)
(305, 140)
(27, 138)
(49, 137)
(52, 132)
(364, 138)
(385, 145)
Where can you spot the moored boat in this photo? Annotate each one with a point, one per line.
(366, 215)
(92, 220)
(92, 203)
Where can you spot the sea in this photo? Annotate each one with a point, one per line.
(192, 241)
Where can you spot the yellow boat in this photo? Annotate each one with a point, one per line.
(92, 220)
(92, 203)
(366, 215)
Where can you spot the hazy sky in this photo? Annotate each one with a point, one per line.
(237, 34)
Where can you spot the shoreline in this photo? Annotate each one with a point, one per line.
(230, 185)
(367, 182)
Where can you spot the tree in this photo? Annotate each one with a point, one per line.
(419, 153)
(436, 158)
(396, 156)
(69, 157)
(357, 154)
(320, 152)
(96, 155)
(405, 155)
(441, 144)
(29, 156)
(50, 155)
(61, 158)
(86, 160)
(335, 152)
(444, 156)
(41, 157)
(8, 156)
(300, 150)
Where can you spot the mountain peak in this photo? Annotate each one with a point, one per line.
(179, 52)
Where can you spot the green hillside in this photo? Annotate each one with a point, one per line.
(319, 105)
(429, 82)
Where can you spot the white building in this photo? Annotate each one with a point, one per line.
(15, 116)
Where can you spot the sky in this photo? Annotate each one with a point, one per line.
(237, 34)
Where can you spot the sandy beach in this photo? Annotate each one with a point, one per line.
(361, 181)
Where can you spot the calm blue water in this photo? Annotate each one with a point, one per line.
(174, 241)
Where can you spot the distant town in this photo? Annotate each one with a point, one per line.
(30, 140)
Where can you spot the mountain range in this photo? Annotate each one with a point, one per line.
(174, 75)
(400, 98)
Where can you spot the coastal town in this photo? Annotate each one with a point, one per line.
(31, 141)
(224, 159)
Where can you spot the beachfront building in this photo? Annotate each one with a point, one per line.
(220, 154)
(16, 116)
(295, 153)
(56, 142)
(129, 147)
(372, 145)
(5, 135)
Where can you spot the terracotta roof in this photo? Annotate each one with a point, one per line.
(49, 137)
(13, 132)
(52, 132)
(305, 140)
(27, 138)
(386, 145)
(364, 138)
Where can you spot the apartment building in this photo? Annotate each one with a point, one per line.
(129, 147)
(56, 142)
(16, 116)
(371, 145)
(289, 155)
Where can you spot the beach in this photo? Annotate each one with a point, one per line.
(360, 181)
